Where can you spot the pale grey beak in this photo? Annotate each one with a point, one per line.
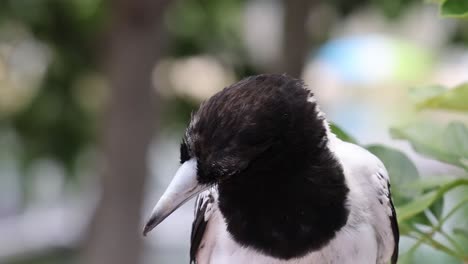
(183, 186)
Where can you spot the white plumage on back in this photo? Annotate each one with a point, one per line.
(367, 238)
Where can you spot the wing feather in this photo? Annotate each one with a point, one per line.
(370, 196)
(203, 206)
(395, 230)
(390, 209)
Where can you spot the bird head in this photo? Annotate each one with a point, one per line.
(256, 121)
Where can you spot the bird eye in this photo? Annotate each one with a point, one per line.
(184, 152)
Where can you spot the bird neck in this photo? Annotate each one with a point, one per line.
(287, 203)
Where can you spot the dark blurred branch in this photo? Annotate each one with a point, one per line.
(296, 43)
(133, 48)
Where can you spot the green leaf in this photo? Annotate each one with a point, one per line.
(450, 99)
(405, 228)
(429, 183)
(461, 232)
(437, 208)
(341, 134)
(455, 138)
(449, 145)
(419, 219)
(406, 258)
(454, 8)
(422, 203)
(419, 94)
(401, 170)
(416, 206)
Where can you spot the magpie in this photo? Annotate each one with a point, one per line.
(275, 185)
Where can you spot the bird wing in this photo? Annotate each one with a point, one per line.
(396, 233)
(370, 196)
(384, 180)
(383, 216)
(203, 209)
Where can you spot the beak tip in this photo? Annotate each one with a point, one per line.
(184, 186)
(149, 226)
(146, 230)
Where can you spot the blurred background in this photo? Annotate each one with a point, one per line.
(95, 96)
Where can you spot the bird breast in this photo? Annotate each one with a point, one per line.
(351, 245)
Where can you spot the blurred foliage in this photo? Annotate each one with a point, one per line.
(454, 99)
(393, 9)
(426, 218)
(448, 144)
(422, 211)
(54, 124)
(390, 8)
(176, 112)
(340, 133)
(205, 26)
(454, 8)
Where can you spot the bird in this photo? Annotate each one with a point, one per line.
(274, 185)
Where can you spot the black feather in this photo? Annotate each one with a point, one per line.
(184, 152)
(395, 230)
(199, 224)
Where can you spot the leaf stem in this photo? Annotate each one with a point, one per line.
(427, 237)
